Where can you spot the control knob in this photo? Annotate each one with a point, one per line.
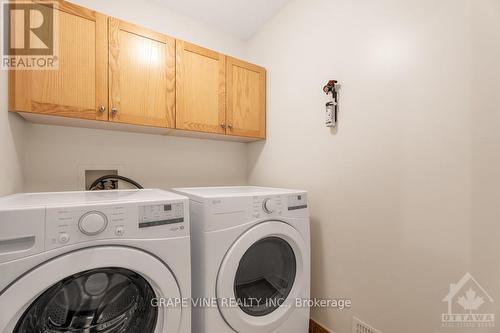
(269, 206)
(93, 223)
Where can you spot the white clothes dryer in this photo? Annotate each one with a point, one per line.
(251, 254)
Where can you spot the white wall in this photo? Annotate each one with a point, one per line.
(11, 144)
(390, 189)
(55, 155)
(152, 14)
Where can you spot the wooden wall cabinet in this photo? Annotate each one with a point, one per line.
(78, 89)
(123, 74)
(200, 89)
(219, 94)
(141, 75)
(246, 99)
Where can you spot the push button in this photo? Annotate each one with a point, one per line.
(63, 238)
(119, 231)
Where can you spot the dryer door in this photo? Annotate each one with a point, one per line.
(101, 289)
(261, 276)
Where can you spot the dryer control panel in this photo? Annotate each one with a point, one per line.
(70, 225)
(297, 201)
(283, 205)
(265, 206)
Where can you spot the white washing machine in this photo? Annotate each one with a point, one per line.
(251, 254)
(95, 262)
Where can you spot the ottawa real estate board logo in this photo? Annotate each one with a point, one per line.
(468, 305)
(30, 35)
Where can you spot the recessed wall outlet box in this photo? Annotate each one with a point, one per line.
(87, 173)
(92, 175)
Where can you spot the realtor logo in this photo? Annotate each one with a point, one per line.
(466, 301)
(29, 35)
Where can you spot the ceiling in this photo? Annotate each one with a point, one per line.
(241, 18)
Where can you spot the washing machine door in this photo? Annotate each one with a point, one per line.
(101, 289)
(261, 277)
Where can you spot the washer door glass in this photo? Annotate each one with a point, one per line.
(265, 276)
(107, 300)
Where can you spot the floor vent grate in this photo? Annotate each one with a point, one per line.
(360, 327)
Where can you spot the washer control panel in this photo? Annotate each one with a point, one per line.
(70, 225)
(158, 215)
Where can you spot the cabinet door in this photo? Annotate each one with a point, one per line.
(78, 88)
(200, 89)
(141, 75)
(246, 99)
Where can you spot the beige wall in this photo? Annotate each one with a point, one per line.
(485, 221)
(403, 195)
(11, 144)
(55, 156)
(390, 189)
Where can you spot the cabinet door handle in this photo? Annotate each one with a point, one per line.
(114, 110)
(230, 126)
(223, 125)
(102, 108)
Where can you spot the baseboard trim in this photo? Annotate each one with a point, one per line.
(314, 327)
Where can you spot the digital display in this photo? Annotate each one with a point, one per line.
(161, 222)
(161, 214)
(297, 207)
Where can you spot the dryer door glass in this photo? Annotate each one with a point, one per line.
(265, 276)
(107, 300)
